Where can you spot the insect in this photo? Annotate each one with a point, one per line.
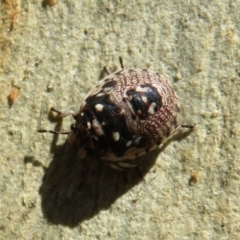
(127, 114)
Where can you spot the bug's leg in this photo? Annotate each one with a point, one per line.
(120, 166)
(73, 129)
(105, 68)
(63, 114)
(126, 165)
(53, 131)
(121, 62)
(115, 167)
(140, 174)
(187, 126)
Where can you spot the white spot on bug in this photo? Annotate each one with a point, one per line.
(129, 143)
(137, 140)
(125, 96)
(88, 125)
(151, 108)
(99, 107)
(95, 137)
(107, 89)
(116, 136)
(100, 94)
(144, 98)
(141, 89)
(122, 111)
(97, 128)
(130, 98)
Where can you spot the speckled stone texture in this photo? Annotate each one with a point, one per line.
(53, 55)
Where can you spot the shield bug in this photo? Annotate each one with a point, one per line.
(127, 114)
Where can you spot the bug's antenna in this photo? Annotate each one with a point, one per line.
(52, 131)
(121, 62)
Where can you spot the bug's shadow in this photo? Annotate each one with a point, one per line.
(74, 190)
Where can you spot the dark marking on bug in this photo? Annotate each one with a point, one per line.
(110, 84)
(145, 100)
(114, 134)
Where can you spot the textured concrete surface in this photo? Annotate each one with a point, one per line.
(54, 55)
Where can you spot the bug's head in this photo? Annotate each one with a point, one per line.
(78, 139)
